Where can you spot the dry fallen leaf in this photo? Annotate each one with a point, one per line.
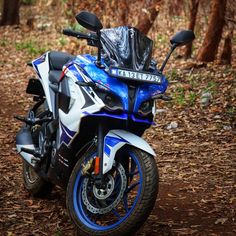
(221, 221)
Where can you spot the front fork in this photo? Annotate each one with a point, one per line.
(98, 169)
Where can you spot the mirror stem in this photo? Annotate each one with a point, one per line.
(167, 57)
(98, 61)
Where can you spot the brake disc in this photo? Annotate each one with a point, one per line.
(100, 195)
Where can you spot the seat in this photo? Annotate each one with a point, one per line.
(56, 61)
(54, 76)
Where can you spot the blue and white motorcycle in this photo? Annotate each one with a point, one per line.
(84, 132)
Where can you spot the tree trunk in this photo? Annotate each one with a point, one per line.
(226, 54)
(10, 15)
(212, 39)
(175, 7)
(192, 22)
(148, 15)
(124, 11)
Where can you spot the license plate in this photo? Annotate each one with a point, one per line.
(135, 75)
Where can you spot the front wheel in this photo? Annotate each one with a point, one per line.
(126, 201)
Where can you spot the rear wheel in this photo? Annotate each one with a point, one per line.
(123, 205)
(35, 184)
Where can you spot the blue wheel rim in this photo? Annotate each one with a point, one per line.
(79, 206)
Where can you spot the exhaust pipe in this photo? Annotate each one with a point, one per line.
(24, 142)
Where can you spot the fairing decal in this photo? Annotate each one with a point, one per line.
(84, 100)
(115, 139)
(41, 65)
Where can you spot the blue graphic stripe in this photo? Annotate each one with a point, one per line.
(142, 120)
(64, 137)
(122, 116)
(75, 72)
(111, 142)
(69, 132)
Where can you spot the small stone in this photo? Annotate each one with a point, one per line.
(172, 125)
(217, 117)
(227, 127)
(206, 98)
(160, 110)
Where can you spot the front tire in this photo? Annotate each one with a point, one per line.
(91, 213)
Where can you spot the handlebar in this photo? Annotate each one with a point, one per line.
(79, 35)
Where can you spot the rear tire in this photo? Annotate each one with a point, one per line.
(136, 213)
(35, 184)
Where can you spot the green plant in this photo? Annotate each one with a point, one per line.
(173, 74)
(30, 46)
(28, 2)
(192, 97)
(161, 38)
(231, 111)
(179, 96)
(58, 232)
(3, 42)
(63, 41)
(78, 27)
(211, 87)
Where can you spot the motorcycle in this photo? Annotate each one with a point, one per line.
(84, 131)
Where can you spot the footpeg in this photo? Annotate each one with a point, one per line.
(33, 152)
(32, 122)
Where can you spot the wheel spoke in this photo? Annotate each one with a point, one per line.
(125, 202)
(114, 211)
(93, 217)
(132, 187)
(97, 203)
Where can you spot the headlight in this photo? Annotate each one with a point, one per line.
(111, 101)
(145, 108)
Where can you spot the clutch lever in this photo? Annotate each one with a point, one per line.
(163, 97)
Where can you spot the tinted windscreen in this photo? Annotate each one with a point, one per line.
(127, 47)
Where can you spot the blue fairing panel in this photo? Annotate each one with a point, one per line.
(99, 76)
(147, 91)
(144, 92)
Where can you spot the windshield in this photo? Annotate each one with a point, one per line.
(126, 47)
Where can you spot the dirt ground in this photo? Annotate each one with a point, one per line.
(196, 160)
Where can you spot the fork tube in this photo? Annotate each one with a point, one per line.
(100, 147)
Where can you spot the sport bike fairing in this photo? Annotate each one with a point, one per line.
(144, 91)
(132, 50)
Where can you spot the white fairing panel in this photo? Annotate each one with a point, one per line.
(115, 139)
(43, 70)
(79, 105)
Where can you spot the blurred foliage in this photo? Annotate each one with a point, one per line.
(31, 47)
(28, 2)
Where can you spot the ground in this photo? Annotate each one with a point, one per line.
(196, 159)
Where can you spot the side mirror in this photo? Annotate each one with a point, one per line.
(89, 21)
(179, 39)
(182, 38)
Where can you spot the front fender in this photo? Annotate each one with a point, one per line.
(115, 139)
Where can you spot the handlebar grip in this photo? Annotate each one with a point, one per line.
(70, 32)
(79, 35)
